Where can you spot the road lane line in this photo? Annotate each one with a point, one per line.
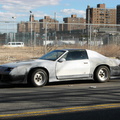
(62, 110)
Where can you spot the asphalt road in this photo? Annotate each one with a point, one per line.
(78, 100)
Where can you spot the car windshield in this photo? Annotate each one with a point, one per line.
(53, 55)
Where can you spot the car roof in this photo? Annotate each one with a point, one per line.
(73, 49)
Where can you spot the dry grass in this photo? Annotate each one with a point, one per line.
(15, 54)
(110, 50)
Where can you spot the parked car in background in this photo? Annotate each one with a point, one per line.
(15, 44)
(61, 65)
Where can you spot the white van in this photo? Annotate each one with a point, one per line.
(15, 44)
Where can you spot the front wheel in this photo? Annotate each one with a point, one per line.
(38, 78)
(102, 74)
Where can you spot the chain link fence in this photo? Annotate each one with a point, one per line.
(39, 34)
(40, 38)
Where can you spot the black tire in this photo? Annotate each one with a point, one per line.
(38, 78)
(102, 74)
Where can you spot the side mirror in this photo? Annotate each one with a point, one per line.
(62, 60)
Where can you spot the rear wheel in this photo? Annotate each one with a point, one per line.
(38, 78)
(102, 74)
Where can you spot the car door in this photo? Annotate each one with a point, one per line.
(74, 65)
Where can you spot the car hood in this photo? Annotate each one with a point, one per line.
(22, 63)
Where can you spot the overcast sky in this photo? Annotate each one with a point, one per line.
(40, 8)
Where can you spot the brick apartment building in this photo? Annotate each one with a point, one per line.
(100, 15)
(38, 26)
(28, 26)
(118, 14)
(73, 23)
(53, 24)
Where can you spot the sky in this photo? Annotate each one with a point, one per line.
(20, 9)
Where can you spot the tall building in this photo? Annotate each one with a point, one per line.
(118, 14)
(73, 23)
(52, 24)
(31, 18)
(100, 15)
(33, 25)
(21, 27)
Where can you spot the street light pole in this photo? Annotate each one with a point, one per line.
(46, 37)
(31, 27)
(88, 22)
(14, 29)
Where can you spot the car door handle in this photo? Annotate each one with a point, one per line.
(85, 62)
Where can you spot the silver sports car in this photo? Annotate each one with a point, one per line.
(61, 65)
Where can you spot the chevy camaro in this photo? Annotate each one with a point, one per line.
(61, 65)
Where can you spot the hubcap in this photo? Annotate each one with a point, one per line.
(102, 74)
(39, 78)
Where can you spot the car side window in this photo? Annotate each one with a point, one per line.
(76, 55)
